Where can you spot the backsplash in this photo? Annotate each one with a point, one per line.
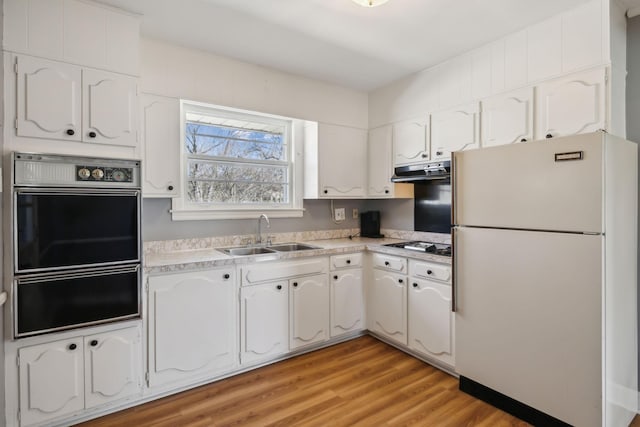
(162, 246)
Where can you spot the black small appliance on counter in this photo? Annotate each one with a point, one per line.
(370, 224)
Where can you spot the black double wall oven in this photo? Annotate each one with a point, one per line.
(76, 242)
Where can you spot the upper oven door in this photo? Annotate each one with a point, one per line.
(69, 228)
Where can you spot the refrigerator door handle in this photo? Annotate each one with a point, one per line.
(454, 288)
(453, 189)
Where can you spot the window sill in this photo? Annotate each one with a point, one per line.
(196, 214)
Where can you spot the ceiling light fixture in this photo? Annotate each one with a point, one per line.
(370, 3)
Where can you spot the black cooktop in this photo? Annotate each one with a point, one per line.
(442, 249)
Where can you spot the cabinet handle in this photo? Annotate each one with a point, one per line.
(386, 263)
(523, 140)
(429, 272)
(415, 285)
(92, 134)
(226, 276)
(295, 284)
(438, 153)
(71, 132)
(424, 155)
(279, 287)
(400, 281)
(326, 191)
(72, 346)
(549, 136)
(93, 343)
(386, 191)
(170, 188)
(348, 261)
(335, 277)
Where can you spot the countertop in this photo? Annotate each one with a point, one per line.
(200, 258)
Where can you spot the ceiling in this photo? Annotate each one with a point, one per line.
(336, 40)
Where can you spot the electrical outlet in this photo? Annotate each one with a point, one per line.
(355, 213)
(340, 214)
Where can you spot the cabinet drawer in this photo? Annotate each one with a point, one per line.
(430, 270)
(388, 262)
(270, 271)
(344, 261)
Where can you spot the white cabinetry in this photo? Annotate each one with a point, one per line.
(507, 118)
(571, 105)
(73, 31)
(430, 320)
(411, 141)
(61, 101)
(387, 313)
(380, 168)
(309, 310)
(347, 294)
(192, 325)
(64, 377)
(264, 321)
(335, 161)
(161, 145)
(454, 130)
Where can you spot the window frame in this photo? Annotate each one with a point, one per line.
(182, 209)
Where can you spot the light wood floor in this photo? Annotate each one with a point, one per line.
(362, 382)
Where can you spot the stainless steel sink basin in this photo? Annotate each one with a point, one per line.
(287, 247)
(246, 251)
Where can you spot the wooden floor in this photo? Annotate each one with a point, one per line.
(362, 382)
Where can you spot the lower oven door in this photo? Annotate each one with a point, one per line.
(57, 301)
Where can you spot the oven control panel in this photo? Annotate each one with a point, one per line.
(104, 174)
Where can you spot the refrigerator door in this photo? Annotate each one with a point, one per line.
(540, 185)
(529, 320)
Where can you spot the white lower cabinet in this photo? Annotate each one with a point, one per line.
(193, 325)
(347, 302)
(264, 311)
(309, 310)
(388, 311)
(64, 377)
(431, 320)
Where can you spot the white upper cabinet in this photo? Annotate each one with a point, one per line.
(507, 118)
(160, 127)
(49, 101)
(571, 105)
(515, 60)
(73, 31)
(411, 141)
(380, 168)
(109, 108)
(544, 49)
(454, 129)
(335, 161)
(582, 36)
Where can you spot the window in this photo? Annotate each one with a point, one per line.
(236, 163)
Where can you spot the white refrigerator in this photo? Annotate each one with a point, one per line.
(544, 288)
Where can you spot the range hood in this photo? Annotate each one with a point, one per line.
(423, 172)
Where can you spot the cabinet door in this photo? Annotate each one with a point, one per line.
(430, 320)
(109, 108)
(51, 380)
(309, 310)
(161, 146)
(347, 302)
(34, 27)
(264, 321)
(388, 315)
(507, 118)
(454, 130)
(84, 35)
(48, 99)
(113, 362)
(197, 341)
(571, 105)
(411, 141)
(380, 169)
(342, 161)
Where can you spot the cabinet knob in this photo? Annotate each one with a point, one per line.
(415, 285)
(400, 281)
(523, 140)
(386, 191)
(72, 346)
(71, 132)
(326, 191)
(335, 277)
(295, 284)
(92, 134)
(424, 155)
(170, 188)
(226, 276)
(429, 272)
(438, 153)
(386, 263)
(279, 287)
(348, 261)
(93, 343)
(549, 136)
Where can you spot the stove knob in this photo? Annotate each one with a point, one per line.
(84, 173)
(97, 174)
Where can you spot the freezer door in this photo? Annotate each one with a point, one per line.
(529, 320)
(541, 185)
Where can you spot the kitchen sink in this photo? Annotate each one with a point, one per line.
(246, 251)
(287, 247)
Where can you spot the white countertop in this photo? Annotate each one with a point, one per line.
(210, 257)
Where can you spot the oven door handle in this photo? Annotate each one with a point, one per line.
(49, 277)
(77, 192)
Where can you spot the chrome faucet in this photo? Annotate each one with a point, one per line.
(259, 236)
